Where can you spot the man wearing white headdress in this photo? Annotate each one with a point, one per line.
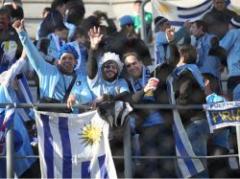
(103, 72)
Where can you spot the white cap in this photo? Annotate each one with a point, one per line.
(110, 56)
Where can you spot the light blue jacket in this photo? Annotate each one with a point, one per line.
(161, 47)
(162, 50)
(99, 86)
(231, 43)
(205, 62)
(50, 78)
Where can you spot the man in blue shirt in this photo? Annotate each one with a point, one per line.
(150, 123)
(207, 63)
(55, 81)
(230, 42)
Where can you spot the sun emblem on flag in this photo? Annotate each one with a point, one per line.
(91, 134)
(164, 8)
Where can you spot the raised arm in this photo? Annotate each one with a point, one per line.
(34, 56)
(95, 38)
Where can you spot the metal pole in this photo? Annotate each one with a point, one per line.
(10, 152)
(40, 105)
(137, 106)
(127, 150)
(238, 142)
(143, 27)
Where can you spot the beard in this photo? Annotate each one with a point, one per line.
(110, 79)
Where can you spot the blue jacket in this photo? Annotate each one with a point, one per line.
(231, 43)
(51, 81)
(205, 62)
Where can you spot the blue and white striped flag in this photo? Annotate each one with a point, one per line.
(24, 95)
(189, 167)
(179, 11)
(74, 146)
(21, 143)
(6, 119)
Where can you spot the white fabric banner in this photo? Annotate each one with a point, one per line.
(74, 146)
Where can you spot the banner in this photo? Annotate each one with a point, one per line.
(24, 95)
(74, 146)
(223, 114)
(21, 143)
(9, 94)
(179, 11)
(6, 119)
(189, 167)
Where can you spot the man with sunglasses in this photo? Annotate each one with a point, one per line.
(103, 72)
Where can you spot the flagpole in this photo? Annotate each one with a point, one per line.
(9, 152)
(127, 150)
(238, 143)
(143, 27)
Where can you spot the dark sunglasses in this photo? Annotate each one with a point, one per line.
(108, 66)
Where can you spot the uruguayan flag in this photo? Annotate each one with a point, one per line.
(6, 119)
(177, 12)
(24, 95)
(234, 5)
(22, 146)
(21, 143)
(74, 146)
(188, 167)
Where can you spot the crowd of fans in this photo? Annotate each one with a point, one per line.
(77, 60)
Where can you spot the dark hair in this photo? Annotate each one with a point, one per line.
(137, 2)
(57, 3)
(201, 23)
(15, 13)
(60, 27)
(191, 51)
(214, 82)
(75, 12)
(46, 9)
(80, 31)
(125, 55)
(5, 11)
(89, 23)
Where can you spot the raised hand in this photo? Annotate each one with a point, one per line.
(95, 37)
(18, 25)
